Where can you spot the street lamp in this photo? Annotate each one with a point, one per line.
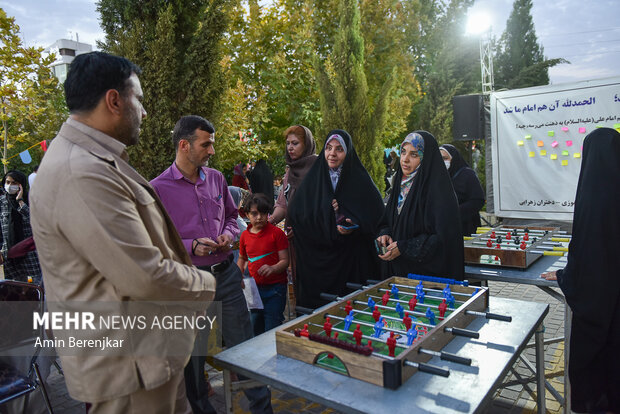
(480, 24)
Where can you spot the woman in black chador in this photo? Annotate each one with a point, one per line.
(261, 179)
(334, 216)
(421, 227)
(591, 279)
(466, 186)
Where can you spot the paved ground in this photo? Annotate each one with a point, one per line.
(516, 398)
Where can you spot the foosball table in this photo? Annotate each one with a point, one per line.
(389, 331)
(514, 246)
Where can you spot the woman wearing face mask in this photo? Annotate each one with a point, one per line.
(15, 223)
(335, 215)
(421, 228)
(466, 186)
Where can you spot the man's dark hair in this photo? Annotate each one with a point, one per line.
(261, 201)
(91, 75)
(186, 129)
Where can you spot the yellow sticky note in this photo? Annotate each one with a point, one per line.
(543, 153)
(565, 153)
(564, 162)
(540, 144)
(554, 156)
(577, 155)
(520, 143)
(550, 133)
(528, 137)
(532, 154)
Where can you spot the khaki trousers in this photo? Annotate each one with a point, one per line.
(168, 398)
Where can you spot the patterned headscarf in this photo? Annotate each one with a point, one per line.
(417, 141)
(339, 139)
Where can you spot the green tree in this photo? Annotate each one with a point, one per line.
(31, 101)
(519, 61)
(344, 91)
(178, 45)
(448, 66)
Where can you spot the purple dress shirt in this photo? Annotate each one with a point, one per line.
(203, 209)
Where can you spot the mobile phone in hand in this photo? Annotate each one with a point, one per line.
(380, 249)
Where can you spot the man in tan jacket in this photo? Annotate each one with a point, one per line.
(103, 236)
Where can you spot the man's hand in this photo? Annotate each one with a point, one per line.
(550, 275)
(224, 242)
(203, 246)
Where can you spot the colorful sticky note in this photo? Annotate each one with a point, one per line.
(554, 156)
(565, 129)
(554, 144)
(543, 153)
(565, 153)
(528, 137)
(532, 154)
(520, 143)
(569, 143)
(616, 126)
(577, 155)
(582, 130)
(564, 163)
(599, 126)
(540, 144)
(550, 133)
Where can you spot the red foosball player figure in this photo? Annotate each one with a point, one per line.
(327, 326)
(523, 245)
(357, 334)
(492, 235)
(407, 321)
(370, 345)
(391, 343)
(526, 236)
(412, 302)
(304, 332)
(489, 243)
(508, 236)
(442, 309)
(348, 308)
(386, 298)
(376, 314)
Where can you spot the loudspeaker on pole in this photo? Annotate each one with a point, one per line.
(468, 116)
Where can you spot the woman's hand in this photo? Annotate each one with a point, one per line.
(335, 205)
(384, 240)
(550, 275)
(344, 231)
(20, 193)
(392, 252)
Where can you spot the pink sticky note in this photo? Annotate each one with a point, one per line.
(582, 130)
(554, 144)
(569, 143)
(565, 129)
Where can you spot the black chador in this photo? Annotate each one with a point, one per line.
(427, 228)
(326, 259)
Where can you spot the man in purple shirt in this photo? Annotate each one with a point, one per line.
(205, 215)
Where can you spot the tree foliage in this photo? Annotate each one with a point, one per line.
(31, 101)
(448, 65)
(178, 46)
(519, 61)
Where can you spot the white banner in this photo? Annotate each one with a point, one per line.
(537, 143)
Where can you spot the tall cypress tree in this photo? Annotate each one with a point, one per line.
(519, 61)
(344, 91)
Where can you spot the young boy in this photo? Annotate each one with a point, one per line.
(264, 248)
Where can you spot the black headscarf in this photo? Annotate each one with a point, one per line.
(15, 232)
(591, 279)
(468, 190)
(261, 179)
(326, 260)
(428, 227)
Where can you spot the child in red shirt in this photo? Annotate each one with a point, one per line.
(264, 248)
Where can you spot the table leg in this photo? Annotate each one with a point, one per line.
(540, 368)
(228, 393)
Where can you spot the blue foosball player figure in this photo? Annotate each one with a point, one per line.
(348, 321)
(399, 309)
(450, 301)
(378, 327)
(394, 292)
(421, 295)
(446, 291)
(412, 334)
(371, 304)
(419, 289)
(430, 315)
